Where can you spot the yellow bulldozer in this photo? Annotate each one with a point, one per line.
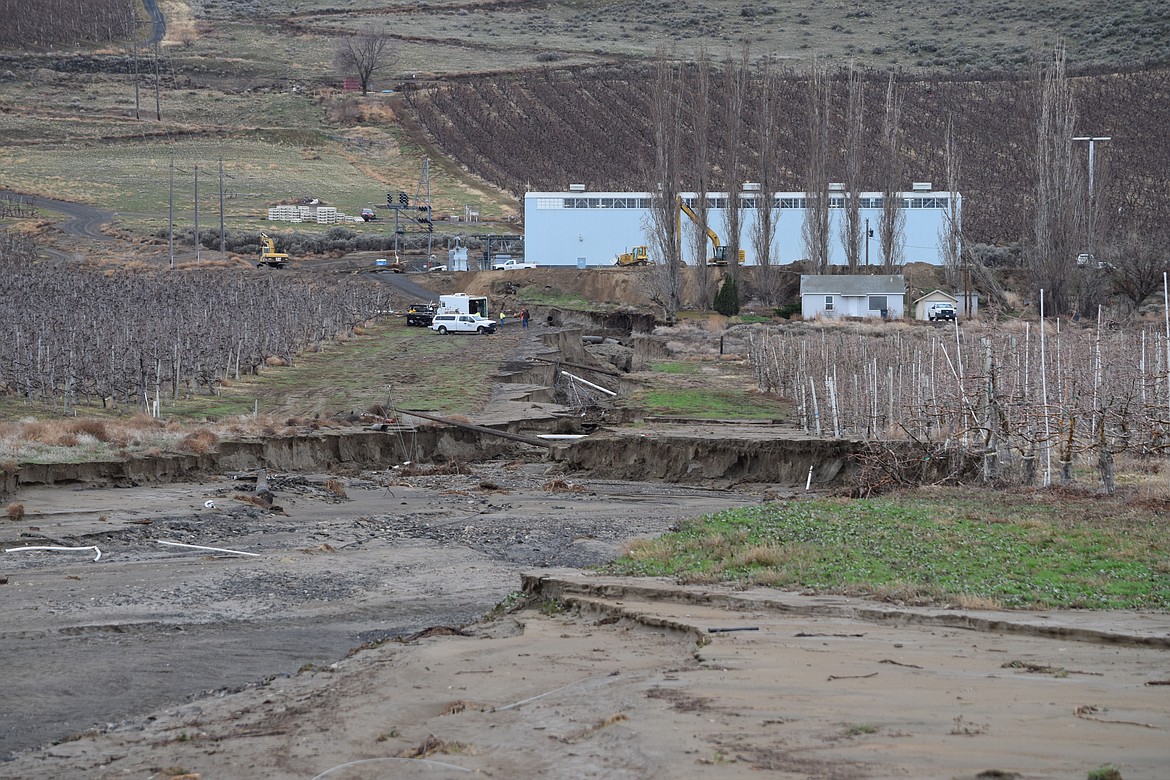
(269, 257)
(637, 256)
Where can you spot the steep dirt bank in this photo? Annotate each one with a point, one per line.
(346, 452)
(708, 453)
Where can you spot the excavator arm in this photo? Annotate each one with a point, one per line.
(718, 251)
(715, 242)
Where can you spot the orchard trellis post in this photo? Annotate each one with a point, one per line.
(1003, 398)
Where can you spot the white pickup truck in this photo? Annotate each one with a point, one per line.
(462, 323)
(511, 264)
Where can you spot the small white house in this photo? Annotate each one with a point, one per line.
(852, 296)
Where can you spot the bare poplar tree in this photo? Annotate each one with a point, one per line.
(815, 230)
(701, 123)
(891, 226)
(736, 79)
(950, 232)
(664, 279)
(763, 232)
(364, 54)
(854, 126)
(1058, 208)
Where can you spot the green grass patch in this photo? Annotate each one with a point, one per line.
(677, 367)
(710, 404)
(950, 546)
(353, 375)
(562, 300)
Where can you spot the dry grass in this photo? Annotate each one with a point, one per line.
(433, 744)
(658, 550)
(199, 442)
(15, 512)
(968, 601)
(336, 488)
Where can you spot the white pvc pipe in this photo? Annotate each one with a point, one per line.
(587, 383)
(363, 761)
(213, 549)
(63, 549)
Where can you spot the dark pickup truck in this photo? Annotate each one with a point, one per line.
(421, 314)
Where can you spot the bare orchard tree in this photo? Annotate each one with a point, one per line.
(1136, 260)
(700, 111)
(891, 226)
(950, 233)
(1058, 207)
(763, 231)
(815, 230)
(664, 278)
(364, 54)
(854, 127)
(736, 81)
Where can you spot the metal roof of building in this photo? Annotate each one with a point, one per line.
(852, 285)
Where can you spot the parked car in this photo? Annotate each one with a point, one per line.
(941, 311)
(512, 264)
(462, 323)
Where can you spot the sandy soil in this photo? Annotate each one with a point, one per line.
(149, 624)
(599, 677)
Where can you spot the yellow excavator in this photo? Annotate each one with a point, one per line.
(719, 252)
(269, 257)
(637, 256)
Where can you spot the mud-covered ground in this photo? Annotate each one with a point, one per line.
(90, 643)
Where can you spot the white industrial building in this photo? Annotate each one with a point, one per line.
(581, 228)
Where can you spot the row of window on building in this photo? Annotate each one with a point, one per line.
(721, 203)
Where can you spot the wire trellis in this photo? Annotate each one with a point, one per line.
(1030, 400)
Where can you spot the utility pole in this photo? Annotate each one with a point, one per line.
(1092, 216)
(222, 236)
(157, 98)
(171, 215)
(422, 199)
(197, 212)
(868, 236)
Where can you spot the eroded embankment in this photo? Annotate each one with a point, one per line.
(635, 599)
(320, 452)
(703, 456)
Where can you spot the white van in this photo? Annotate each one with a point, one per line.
(462, 323)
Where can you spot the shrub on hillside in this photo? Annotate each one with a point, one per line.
(727, 299)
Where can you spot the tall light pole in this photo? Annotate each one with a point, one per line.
(1092, 216)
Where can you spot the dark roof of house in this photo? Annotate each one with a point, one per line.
(852, 285)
